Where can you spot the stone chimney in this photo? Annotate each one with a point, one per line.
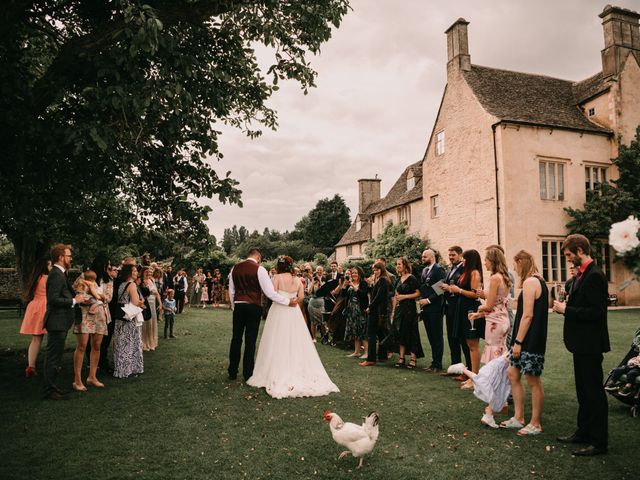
(368, 192)
(458, 57)
(621, 37)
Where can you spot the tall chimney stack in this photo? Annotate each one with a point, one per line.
(458, 57)
(368, 192)
(621, 37)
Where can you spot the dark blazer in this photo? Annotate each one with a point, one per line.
(585, 318)
(436, 274)
(380, 298)
(60, 313)
(452, 278)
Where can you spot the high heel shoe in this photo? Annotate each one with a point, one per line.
(78, 388)
(30, 372)
(399, 363)
(95, 383)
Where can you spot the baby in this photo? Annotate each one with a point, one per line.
(632, 370)
(89, 287)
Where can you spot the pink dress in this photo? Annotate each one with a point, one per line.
(33, 321)
(497, 326)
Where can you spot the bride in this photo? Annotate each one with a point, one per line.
(287, 364)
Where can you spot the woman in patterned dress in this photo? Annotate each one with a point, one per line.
(127, 342)
(356, 291)
(218, 288)
(33, 322)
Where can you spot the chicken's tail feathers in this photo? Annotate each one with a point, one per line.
(370, 425)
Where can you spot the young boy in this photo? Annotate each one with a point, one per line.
(169, 305)
(632, 369)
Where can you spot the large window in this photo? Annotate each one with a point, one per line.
(404, 214)
(440, 143)
(594, 177)
(554, 265)
(435, 206)
(551, 180)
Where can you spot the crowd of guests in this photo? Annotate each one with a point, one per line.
(473, 296)
(108, 305)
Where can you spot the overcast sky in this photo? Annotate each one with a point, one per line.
(380, 81)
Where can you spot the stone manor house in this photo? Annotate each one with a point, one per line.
(509, 151)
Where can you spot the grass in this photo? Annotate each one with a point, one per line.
(183, 419)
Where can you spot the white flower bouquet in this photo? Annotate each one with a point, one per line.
(623, 236)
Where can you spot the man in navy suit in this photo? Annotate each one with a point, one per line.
(586, 336)
(431, 304)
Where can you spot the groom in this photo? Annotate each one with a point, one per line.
(247, 281)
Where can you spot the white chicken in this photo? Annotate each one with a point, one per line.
(359, 439)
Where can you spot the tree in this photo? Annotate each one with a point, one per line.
(394, 242)
(323, 226)
(611, 202)
(109, 109)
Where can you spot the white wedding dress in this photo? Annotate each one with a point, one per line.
(287, 364)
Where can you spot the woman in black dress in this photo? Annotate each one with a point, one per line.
(406, 314)
(528, 344)
(378, 312)
(466, 288)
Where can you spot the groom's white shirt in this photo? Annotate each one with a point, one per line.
(265, 284)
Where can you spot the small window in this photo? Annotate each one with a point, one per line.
(440, 143)
(594, 177)
(551, 180)
(592, 112)
(435, 206)
(404, 215)
(349, 250)
(554, 265)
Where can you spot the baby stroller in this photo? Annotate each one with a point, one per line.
(632, 399)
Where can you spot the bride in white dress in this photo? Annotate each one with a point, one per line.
(287, 364)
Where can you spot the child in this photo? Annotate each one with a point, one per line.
(169, 305)
(491, 385)
(632, 370)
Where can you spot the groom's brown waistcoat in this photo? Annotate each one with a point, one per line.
(246, 284)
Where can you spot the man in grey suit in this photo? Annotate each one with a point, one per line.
(60, 315)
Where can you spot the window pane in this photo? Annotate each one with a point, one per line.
(543, 181)
(551, 169)
(554, 262)
(595, 178)
(603, 175)
(587, 178)
(545, 260)
(563, 268)
(560, 181)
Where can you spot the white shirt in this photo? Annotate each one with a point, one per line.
(265, 284)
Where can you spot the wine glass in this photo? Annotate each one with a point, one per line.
(470, 313)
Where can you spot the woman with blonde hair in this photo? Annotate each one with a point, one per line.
(495, 312)
(528, 344)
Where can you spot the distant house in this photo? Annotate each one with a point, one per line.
(509, 151)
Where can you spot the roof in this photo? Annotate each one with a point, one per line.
(590, 87)
(529, 98)
(397, 196)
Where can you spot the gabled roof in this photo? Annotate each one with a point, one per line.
(592, 86)
(397, 196)
(528, 98)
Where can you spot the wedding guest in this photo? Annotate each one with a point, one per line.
(528, 344)
(316, 305)
(378, 315)
(169, 307)
(92, 327)
(333, 273)
(158, 279)
(196, 292)
(114, 312)
(431, 303)
(465, 289)
(35, 296)
(407, 291)
(456, 347)
(586, 336)
(218, 288)
(127, 342)
(168, 278)
(101, 265)
(60, 315)
(180, 284)
(356, 292)
(153, 304)
(208, 282)
(145, 260)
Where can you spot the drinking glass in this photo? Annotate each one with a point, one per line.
(471, 320)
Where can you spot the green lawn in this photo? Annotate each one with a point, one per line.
(183, 419)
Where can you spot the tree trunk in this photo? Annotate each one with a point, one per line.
(28, 250)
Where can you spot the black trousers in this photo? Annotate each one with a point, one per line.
(593, 421)
(169, 319)
(179, 296)
(246, 323)
(432, 319)
(456, 345)
(375, 332)
(53, 359)
(104, 347)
